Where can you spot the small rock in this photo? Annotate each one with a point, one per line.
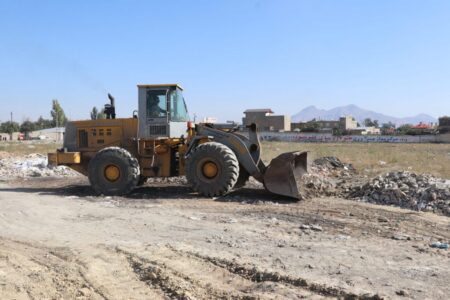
(305, 227)
(316, 228)
(383, 219)
(401, 237)
(402, 293)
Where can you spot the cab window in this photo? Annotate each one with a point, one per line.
(178, 110)
(156, 103)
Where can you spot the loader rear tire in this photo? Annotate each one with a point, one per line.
(212, 169)
(113, 171)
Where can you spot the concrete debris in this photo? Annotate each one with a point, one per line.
(305, 227)
(327, 176)
(32, 165)
(332, 165)
(439, 245)
(401, 237)
(181, 180)
(316, 228)
(312, 227)
(422, 192)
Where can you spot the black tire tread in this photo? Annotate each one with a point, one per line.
(230, 167)
(242, 179)
(119, 153)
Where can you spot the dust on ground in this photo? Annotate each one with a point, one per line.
(59, 240)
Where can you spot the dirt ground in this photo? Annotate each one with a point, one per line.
(59, 241)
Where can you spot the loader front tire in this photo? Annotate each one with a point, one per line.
(242, 179)
(212, 169)
(113, 171)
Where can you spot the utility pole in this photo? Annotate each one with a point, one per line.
(57, 135)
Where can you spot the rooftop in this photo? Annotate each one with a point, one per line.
(161, 85)
(422, 126)
(261, 110)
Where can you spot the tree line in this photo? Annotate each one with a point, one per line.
(58, 119)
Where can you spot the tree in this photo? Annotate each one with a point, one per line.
(58, 116)
(405, 129)
(369, 123)
(388, 125)
(95, 114)
(101, 114)
(27, 127)
(42, 123)
(9, 127)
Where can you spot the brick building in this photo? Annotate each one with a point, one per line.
(444, 124)
(266, 120)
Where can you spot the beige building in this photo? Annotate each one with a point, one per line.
(266, 120)
(347, 123)
(54, 134)
(365, 131)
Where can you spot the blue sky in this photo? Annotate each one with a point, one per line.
(389, 56)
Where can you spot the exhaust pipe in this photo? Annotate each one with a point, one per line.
(110, 109)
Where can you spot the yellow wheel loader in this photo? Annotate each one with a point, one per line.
(118, 154)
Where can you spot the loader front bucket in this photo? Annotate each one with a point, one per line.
(283, 174)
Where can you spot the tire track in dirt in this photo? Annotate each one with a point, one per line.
(43, 273)
(186, 275)
(171, 282)
(255, 275)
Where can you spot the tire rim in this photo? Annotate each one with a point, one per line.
(112, 173)
(210, 169)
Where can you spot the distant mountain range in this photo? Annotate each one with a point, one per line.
(358, 113)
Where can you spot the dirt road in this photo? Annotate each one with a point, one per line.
(57, 240)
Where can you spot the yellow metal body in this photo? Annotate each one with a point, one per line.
(62, 158)
(157, 157)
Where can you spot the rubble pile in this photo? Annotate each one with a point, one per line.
(327, 176)
(408, 190)
(332, 166)
(32, 165)
(181, 180)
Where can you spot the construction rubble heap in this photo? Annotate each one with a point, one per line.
(408, 190)
(32, 165)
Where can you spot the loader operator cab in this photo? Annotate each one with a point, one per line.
(162, 111)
